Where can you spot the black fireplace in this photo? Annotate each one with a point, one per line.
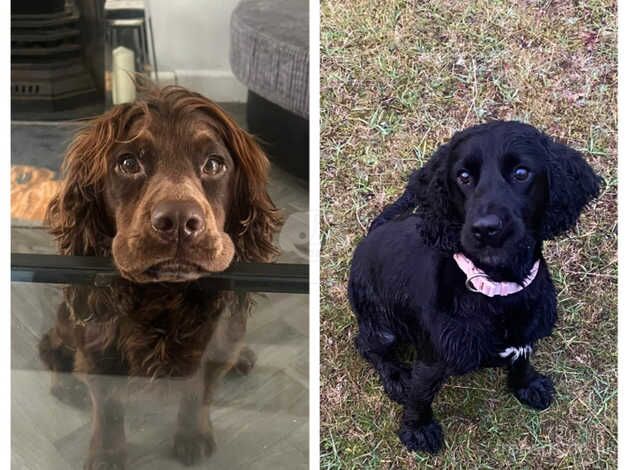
(54, 60)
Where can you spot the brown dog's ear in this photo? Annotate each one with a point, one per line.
(254, 219)
(76, 216)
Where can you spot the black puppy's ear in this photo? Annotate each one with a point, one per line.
(427, 194)
(572, 184)
(432, 194)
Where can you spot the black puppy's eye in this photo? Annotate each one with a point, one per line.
(129, 164)
(521, 173)
(464, 177)
(213, 166)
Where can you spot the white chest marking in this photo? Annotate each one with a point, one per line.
(516, 353)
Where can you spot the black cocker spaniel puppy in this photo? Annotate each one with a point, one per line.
(454, 268)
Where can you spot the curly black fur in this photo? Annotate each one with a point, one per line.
(406, 289)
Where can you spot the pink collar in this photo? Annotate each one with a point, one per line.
(478, 280)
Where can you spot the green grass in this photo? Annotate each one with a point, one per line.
(397, 79)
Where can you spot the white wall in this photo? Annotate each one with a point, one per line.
(192, 42)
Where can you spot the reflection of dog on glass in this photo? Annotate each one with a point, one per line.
(171, 188)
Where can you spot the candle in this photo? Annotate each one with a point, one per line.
(123, 67)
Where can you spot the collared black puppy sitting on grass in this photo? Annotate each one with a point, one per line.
(454, 268)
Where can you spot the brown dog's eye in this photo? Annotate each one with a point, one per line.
(213, 166)
(464, 177)
(129, 164)
(521, 173)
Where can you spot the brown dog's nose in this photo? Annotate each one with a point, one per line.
(177, 219)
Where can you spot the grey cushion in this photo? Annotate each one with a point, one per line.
(269, 51)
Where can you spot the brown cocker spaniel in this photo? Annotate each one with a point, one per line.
(171, 188)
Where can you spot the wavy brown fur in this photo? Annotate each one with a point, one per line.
(161, 329)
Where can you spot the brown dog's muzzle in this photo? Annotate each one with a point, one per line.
(174, 236)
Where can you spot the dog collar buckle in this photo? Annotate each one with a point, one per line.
(469, 282)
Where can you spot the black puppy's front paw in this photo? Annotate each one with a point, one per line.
(396, 383)
(537, 394)
(424, 438)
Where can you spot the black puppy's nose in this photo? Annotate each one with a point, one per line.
(487, 227)
(177, 219)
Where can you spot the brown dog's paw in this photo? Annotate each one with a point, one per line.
(71, 391)
(246, 361)
(190, 447)
(106, 460)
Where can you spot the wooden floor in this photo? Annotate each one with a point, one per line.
(260, 421)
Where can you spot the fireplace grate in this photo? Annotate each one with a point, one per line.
(49, 79)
